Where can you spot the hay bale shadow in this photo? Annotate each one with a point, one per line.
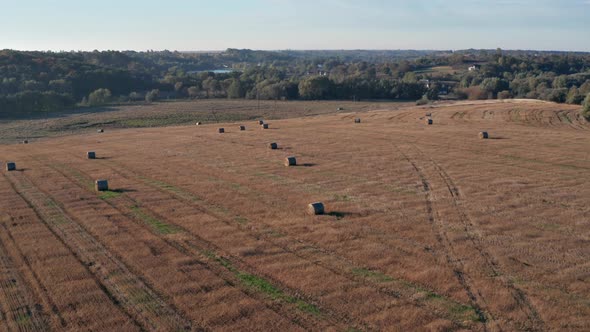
(307, 165)
(498, 137)
(342, 214)
(122, 190)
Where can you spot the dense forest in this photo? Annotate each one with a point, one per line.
(37, 82)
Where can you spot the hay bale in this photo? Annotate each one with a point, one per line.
(261, 122)
(340, 109)
(25, 142)
(357, 120)
(265, 126)
(100, 130)
(10, 166)
(428, 121)
(316, 208)
(91, 155)
(428, 114)
(221, 130)
(199, 123)
(290, 161)
(101, 185)
(242, 128)
(273, 146)
(484, 135)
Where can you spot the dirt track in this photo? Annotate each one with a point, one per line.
(428, 227)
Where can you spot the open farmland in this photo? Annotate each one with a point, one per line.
(427, 227)
(87, 120)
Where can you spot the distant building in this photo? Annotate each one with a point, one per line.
(426, 83)
(318, 73)
(474, 67)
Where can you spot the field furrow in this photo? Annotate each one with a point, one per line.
(19, 308)
(122, 285)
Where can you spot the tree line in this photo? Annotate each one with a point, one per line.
(38, 82)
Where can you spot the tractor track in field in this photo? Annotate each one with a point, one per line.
(440, 233)
(194, 246)
(475, 237)
(19, 309)
(119, 284)
(338, 265)
(519, 297)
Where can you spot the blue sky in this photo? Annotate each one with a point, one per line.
(294, 24)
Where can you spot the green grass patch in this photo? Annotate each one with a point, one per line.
(241, 220)
(58, 218)
(308, 307)
(170, 188)
(145, 299)
(263, 286)
(375, 275)
(273, 233)
(548, 226)
(456, 311)
(564, 118)
(158, 225)
(152, 122)
(401, 190)
(23, 319)
(108, 194)
(79, 177)
(260, 285)
(50, 203)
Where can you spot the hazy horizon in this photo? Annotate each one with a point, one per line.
(541, 25)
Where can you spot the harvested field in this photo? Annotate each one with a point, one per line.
(426, 227)
(199, 112)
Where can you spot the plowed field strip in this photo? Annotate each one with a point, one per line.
(125, 288)
(20, 309)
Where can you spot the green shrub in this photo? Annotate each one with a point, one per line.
(586, 109)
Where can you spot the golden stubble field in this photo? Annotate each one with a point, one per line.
(427, 227)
